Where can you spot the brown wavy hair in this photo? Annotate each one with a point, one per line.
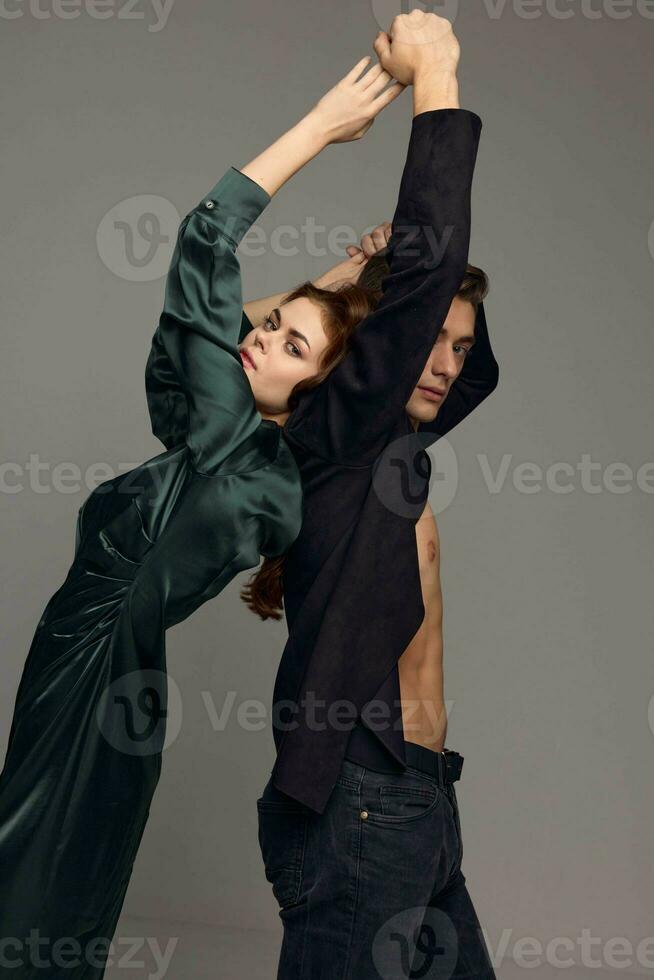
(343, 309)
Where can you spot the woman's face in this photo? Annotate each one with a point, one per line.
(281, 351)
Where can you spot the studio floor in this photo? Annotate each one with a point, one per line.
(146, 949)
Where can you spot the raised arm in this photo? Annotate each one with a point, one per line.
(343, 114)
(194, 380)
(349, 416)
(196, 388)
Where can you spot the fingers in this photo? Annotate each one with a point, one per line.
(379, 82)
(373, 243)
(377, 239)
(387, 97)
(370, 76)
(385, 230)
(354, 73)
(368, 245)
(382, 46)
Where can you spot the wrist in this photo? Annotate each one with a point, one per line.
(326, 279)
(435, 90)
(313, 131)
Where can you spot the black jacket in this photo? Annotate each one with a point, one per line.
(352, 589)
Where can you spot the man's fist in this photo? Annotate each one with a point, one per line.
(416, 44)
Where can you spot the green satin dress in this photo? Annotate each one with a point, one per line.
(84, 754)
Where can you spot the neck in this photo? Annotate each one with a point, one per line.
(280, 419)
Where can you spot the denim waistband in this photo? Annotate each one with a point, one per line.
(365, 749)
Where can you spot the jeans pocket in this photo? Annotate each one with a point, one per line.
(283, 827)
(405, 802)
(457, 822)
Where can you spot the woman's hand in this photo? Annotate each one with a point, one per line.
(349, 269)
(375, 241)
(344, 113)
(344, 272)
(347, 111)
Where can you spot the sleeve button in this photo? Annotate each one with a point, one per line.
(364, 814)
(209, 204)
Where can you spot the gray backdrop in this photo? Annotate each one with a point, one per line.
(548, 593)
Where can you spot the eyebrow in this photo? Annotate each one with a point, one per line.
(291, 330)
(459, 340)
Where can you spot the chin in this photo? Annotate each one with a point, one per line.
(424, 413)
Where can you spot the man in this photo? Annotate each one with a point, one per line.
(358, 825)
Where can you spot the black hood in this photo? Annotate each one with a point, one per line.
(477, 380)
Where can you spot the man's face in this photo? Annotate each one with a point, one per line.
(444, 363)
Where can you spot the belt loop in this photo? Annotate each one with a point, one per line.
(453, 770)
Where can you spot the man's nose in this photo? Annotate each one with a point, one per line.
(444, 363)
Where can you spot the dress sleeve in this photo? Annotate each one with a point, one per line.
(196, 388)
(348, 417)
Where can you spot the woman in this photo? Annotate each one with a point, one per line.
(152, 545)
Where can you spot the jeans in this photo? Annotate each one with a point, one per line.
(372, 888)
